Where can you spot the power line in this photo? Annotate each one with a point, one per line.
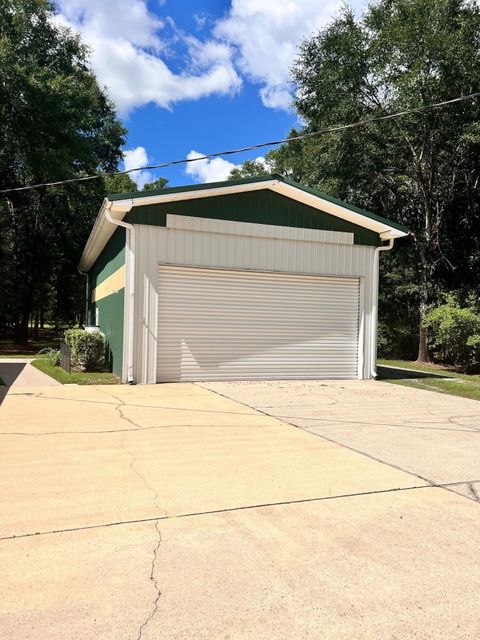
(272, 143)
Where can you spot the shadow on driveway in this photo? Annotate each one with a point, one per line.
(386, 372)
(9, 372)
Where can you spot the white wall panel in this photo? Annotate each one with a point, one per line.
(161, 245)
(250, 229)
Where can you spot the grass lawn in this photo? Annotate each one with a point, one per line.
(75, 377)
(456, 384)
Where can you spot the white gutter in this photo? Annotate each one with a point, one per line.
(129, 333)
(374, 320)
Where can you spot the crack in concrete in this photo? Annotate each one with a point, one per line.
(118, 408)
(124, 417)
(155, 499)
(455, 420)
(372, 424)
(136, 430)
(473, 491)
(153, 579)
(41, 396)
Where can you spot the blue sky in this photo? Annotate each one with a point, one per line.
(196, 76)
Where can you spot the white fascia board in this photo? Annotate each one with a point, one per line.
(89, 254)
(193, 195)
(392, 233)
(317, 202)
(102, 231)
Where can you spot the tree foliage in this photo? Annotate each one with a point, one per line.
(250, 168)
(55, 123)
(158, 183)
(120, 183)
(455, 333)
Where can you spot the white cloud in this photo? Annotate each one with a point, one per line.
(263, 161)
(129, 45)
(265, 36)
(133, 50)
(138, 157)
(214, 170)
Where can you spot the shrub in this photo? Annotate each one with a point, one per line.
(87, 349)
(454, 334)
(52, 355)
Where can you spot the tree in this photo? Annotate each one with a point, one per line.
(55, 123)
(158, 183)
(422, 169)
(120, 183)
(250, 168)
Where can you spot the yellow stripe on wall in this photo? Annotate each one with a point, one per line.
(110, 285)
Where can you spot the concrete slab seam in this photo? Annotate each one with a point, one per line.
(239, 508)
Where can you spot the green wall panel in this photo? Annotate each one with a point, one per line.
(110, 311)
(260, 207)
(110, 308)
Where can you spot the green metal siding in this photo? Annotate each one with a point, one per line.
(253, 180)
(153, 214)
(260, 207)
(110, 312)
(110, 308)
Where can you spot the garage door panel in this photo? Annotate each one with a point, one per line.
(219, 324)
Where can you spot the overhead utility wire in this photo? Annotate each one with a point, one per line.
(273, 143)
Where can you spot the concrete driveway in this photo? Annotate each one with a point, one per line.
(175, 512)
(19, 372)
(429, 435)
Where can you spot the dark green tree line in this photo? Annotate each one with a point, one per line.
(56, 123)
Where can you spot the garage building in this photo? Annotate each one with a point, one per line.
(260, 278)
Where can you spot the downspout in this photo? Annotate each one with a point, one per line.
(374, 320)
(131, 300)
(82, 273)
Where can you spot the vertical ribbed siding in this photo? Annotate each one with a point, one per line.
(245, 325)
(181, 247)
(111, 307)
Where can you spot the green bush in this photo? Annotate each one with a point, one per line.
(52, 355)
(87, 349)
(454, 334)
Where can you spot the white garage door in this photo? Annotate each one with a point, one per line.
(245, 325)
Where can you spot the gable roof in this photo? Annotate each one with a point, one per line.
(121, 203)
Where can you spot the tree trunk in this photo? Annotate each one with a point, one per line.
(423, 331)
(21, 329)
(423, 345)
(36, 323)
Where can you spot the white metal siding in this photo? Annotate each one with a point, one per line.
(220, 250)
(254, 230)
(246, 325)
